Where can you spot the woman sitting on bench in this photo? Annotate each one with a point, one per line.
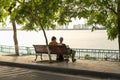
(70, 51)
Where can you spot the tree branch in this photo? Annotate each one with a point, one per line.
(110, 7)
(112, 10)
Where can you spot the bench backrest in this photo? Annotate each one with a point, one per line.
(53, 49)
(40, 48)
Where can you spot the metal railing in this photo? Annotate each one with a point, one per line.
(95, 54)
(22, 49)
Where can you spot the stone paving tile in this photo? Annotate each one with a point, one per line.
(10, 71)
(15, 73)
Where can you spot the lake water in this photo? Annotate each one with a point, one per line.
(74, 38)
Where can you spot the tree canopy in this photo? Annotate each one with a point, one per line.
(4, 5)
(103, 12)
(97, 12)
(33, 12)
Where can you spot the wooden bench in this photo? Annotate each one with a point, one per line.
(42, 49)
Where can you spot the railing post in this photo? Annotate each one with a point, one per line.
(119, 56)
(28, 50)
(1, 49)
(79, 54)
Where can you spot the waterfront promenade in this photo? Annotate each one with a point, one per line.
(86, 66)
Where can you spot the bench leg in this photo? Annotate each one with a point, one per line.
(36, 58)
(41, 57)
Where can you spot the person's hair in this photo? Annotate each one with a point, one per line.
(53, 38)
(61, 38)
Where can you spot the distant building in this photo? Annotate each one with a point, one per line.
(62, 27)
(6, 28)
(81, 26)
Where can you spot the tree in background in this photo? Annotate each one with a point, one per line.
(33, 15)
(8, 9)
(105, 13)
(38, 14)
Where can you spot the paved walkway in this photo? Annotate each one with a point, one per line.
(16, 73)
(89, 65)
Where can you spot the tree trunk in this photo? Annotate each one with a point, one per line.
(119, 29)
(46, 42)
(37, 19)
(15, 38)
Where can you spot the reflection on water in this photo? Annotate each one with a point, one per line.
(73, 38)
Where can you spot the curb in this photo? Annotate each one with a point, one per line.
(63, 70)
